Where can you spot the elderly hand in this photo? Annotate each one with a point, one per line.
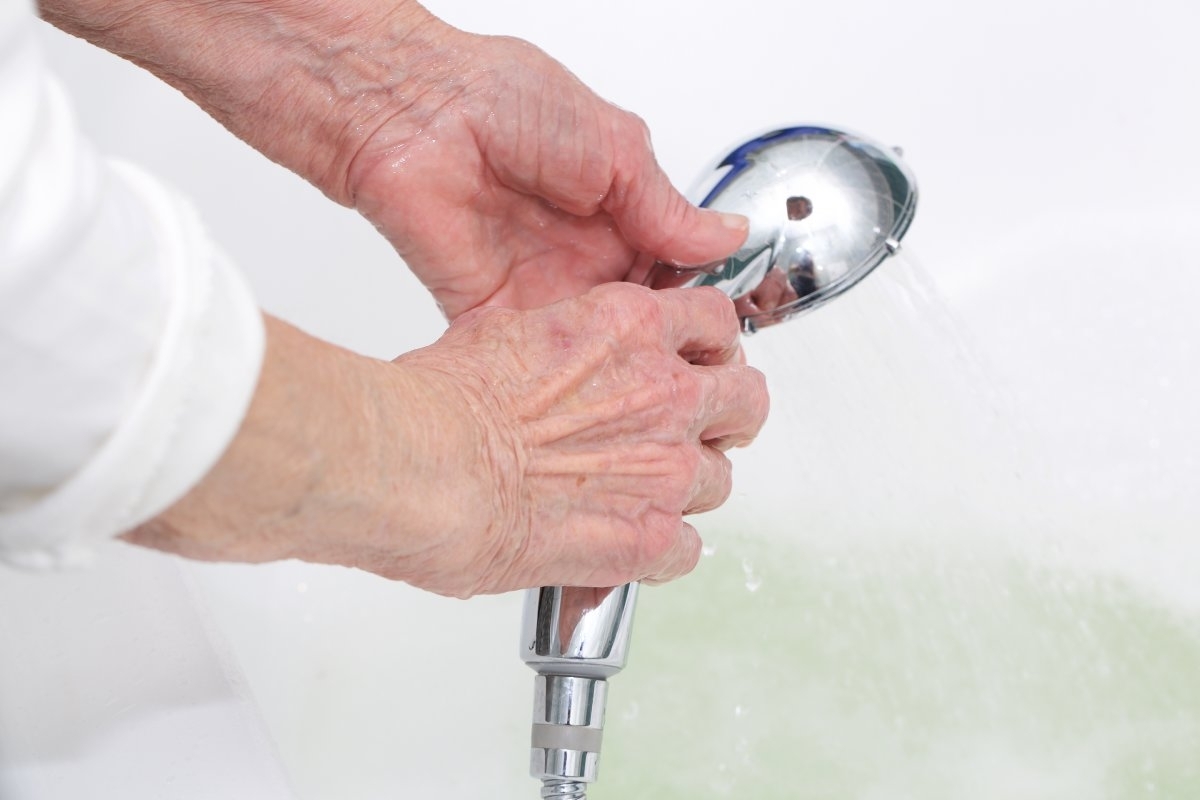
(508, 182)
(497, 175)
(524, 448)
(606, 419)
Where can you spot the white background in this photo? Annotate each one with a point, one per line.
(1054, 143)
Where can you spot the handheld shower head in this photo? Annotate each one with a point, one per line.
(825, 208)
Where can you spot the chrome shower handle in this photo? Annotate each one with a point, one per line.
(575, 639)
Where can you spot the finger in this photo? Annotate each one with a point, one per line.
(678, 560)
(655, 217)
(734, 405)
(714, 481)
(701, 325)
(645, 267)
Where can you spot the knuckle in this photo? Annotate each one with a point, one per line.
(722, 480)
(759, 396)
(681, 483)
(692, 393)
(681, 395)
(634, 310)
(660, 535)
(638, 547)
(632, 152)
(643, 549)
(635, 132)
(690, 460)
(715, 485)
(680, 559)
(720, 309)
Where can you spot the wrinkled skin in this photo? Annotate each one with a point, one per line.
(556, 446)
(522, 187)
(617, 407)
(496, 174)
(561, 442)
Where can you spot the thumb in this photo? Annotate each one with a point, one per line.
(655, 218)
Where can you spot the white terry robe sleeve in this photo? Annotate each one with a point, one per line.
(129, 346)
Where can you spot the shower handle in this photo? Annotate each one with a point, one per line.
(574, 639)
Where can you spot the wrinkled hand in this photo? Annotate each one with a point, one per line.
(507, 182)
(562, 445)
(606, 419)
(498, 176)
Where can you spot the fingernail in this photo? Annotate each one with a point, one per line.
(735, 222)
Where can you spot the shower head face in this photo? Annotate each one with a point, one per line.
(825, 208)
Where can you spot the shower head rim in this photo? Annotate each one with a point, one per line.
(866, 176)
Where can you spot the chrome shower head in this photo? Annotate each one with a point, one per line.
(825, 207)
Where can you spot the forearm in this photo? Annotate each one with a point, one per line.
(283, 462)
(305, 82)
(341, 459)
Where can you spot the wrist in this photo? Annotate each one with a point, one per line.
(275, 491)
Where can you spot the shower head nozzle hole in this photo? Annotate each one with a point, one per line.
(799, 208)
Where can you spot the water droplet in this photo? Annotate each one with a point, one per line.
(753, 580)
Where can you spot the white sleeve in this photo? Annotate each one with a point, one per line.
(129, 346)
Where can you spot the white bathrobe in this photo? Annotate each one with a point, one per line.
(129, 346)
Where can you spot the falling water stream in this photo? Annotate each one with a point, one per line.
(901, 600)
